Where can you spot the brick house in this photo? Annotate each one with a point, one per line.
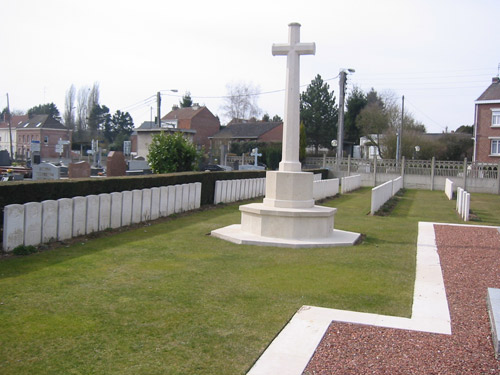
(248, 131)
(4, 132)
(487, 125)
(196, 118)
(45, 129)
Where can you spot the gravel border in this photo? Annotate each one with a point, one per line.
(470, 261)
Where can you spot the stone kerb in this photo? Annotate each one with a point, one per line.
(448, 188)
(380, 195)
(13, 228)
(49, 221)
(493, 302)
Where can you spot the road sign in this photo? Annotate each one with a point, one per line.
(59, 148)
(35, 146)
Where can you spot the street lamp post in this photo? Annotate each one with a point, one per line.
(158, 106)
(340, 131)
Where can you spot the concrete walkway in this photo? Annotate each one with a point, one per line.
(292, 349)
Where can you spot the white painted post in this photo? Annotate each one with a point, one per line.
(49, 221)
(92, 214)
(171, 199)
(32, 223)
(164, 201)
(64, 219)
(116, 210)
(155, 203)
(146, 205)
(13, 226)
(136, 206)
(127, 198)
(79, 216)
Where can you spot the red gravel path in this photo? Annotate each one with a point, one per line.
(470, 260)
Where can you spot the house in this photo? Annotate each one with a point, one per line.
(45, 129)
(257, 131)
(143, 135)
(487, 125)
(197, 118)
(4, 132)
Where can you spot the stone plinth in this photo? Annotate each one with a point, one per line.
(289, 189)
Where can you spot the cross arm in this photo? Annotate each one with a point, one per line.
(280, 49)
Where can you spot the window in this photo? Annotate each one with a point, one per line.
(46, 139)
(495, 147)
(495, 118)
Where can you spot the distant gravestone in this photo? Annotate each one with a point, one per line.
(79, 170)
(116, 165)
(45, 171)
(4, 158)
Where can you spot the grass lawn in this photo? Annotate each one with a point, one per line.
(169, 299)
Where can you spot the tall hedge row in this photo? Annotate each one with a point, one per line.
(21, 192)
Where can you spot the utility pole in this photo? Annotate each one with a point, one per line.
(340, 130)
(400, 135)
(158, 109)
(10, 129)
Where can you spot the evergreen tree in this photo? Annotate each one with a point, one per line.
(355, 102)
(186, 100)
(44, 109)
(319, 113)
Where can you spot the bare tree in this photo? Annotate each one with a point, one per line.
(69, 106)
(241, 101)
(82, 109)
(93, 97)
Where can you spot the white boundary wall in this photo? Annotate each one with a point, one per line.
(350, 183)
(227, 191)
(35, 223)
(380, 195)
(325, 188)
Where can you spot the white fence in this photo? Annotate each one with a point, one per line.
(351, 183)
(448, 189)
(325, 188)
(35, 223)
(384, 192)
(227, 191)
(463, 203)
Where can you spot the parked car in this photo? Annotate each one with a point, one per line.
(212, 168)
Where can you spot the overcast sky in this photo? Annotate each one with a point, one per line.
(439, 54)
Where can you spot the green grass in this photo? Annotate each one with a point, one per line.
(169, 299)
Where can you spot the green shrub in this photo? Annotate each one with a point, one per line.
(24, 250)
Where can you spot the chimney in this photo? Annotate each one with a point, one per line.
(495, 80)
(196, 106)
(175, 107)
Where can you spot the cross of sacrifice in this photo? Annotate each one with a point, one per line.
(291, 129)
(255, 154)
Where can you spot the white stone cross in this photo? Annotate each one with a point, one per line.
(255, 154)
(291, 128)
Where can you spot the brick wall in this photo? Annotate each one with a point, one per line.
(484, 131)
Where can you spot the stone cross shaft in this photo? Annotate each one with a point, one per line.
(291, 127)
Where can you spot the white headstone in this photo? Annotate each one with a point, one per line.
(218, 192)
(32, 223)
(104, 211)
(49, 221)
(79, 216)
(164, 201)
(192, 196)
(185, 197)
(171, 200)
(178, 198)
(13, 226)
(146, 205)
(197, 199)
(155, 203)
(223, 194)
(136, 206)
(92, 214)
(116, 210)
(126, 208)
(290, 156)
(65, 219)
